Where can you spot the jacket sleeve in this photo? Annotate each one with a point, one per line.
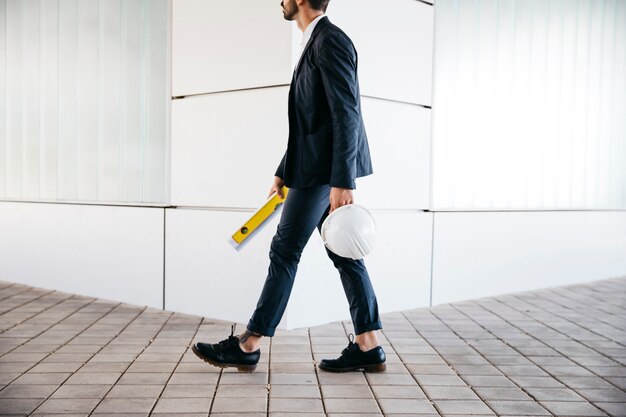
(280, 171)
(337, 64)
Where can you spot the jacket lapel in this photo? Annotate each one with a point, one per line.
(322, 22)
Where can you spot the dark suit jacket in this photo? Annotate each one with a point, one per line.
(327, 141)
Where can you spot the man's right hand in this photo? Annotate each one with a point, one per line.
(277, 187)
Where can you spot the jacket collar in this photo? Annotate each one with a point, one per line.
(320, 24)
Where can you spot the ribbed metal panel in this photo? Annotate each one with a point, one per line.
(529, 104)
(84, 88)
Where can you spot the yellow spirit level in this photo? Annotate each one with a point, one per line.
(258, 218)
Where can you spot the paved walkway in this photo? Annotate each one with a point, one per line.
(559, 352)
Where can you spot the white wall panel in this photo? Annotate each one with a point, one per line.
(488, 253)
(3, 99)
(219, 46)
(394, 40)
(529, 104)
(205, 275)
(84, 104)
(399, 139)
(111, 252)
(227, 146)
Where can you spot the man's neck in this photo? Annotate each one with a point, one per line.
(304, 19)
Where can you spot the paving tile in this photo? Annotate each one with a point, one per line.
(242, 391)
(435, 392)
(613, 409)
(68, 357)
(42, 378)
(567, 370)
(67, 405)
(384, 378)
(184, 405)
(135, 391)
(554, 394)
(536, 381)
(566, 408)
(603, 395)
(235, 405)
(477, 369)
(463, 407)
(155, 367)
(292, 368)
(348, 378)
(296, 391)
(125, 405)
(423, 359)
(614, 370)
(98, 378)
(82, 391)
(406, 406)
(348, 405)
(552, 360)
(104, 367)
(522, 370)
(293, 379)
(188, 391)
(418, 369)
(293, 357)
(295, 405)
(292, 415)
(140, 378)
(159, 357)
(218, 415)
(19, 406)
(8, 377)
(346, 391)
(511, 359)
(113, 357)
(27, 391)
(585, 382)
(116, 415)
(502, 393)
(447, 380)
(56, 367)
(241, 378)
(398, 391)
(488, 381)
(518, 408)
(23, 357)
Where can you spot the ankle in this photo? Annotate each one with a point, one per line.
(367, 347)
(249, 341)
(367, 341)
(250, 345)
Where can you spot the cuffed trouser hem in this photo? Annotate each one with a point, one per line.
(265, 331)
(362, 328)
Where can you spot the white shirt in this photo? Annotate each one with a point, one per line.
(306, 35)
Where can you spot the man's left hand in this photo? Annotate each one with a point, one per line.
(340, 197)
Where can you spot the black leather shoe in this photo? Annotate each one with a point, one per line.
(354, 359)
(227, 353)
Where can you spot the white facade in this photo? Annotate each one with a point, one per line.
(158, 136)
(84, 106)
(537, 92)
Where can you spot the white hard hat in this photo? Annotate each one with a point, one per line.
(349, 231)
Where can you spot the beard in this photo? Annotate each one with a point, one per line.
(290, 9)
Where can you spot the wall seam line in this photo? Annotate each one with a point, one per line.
(164, 240)
(432, 257)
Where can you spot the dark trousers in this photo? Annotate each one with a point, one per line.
(303, 210)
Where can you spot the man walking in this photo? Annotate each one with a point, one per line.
(327, 150)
